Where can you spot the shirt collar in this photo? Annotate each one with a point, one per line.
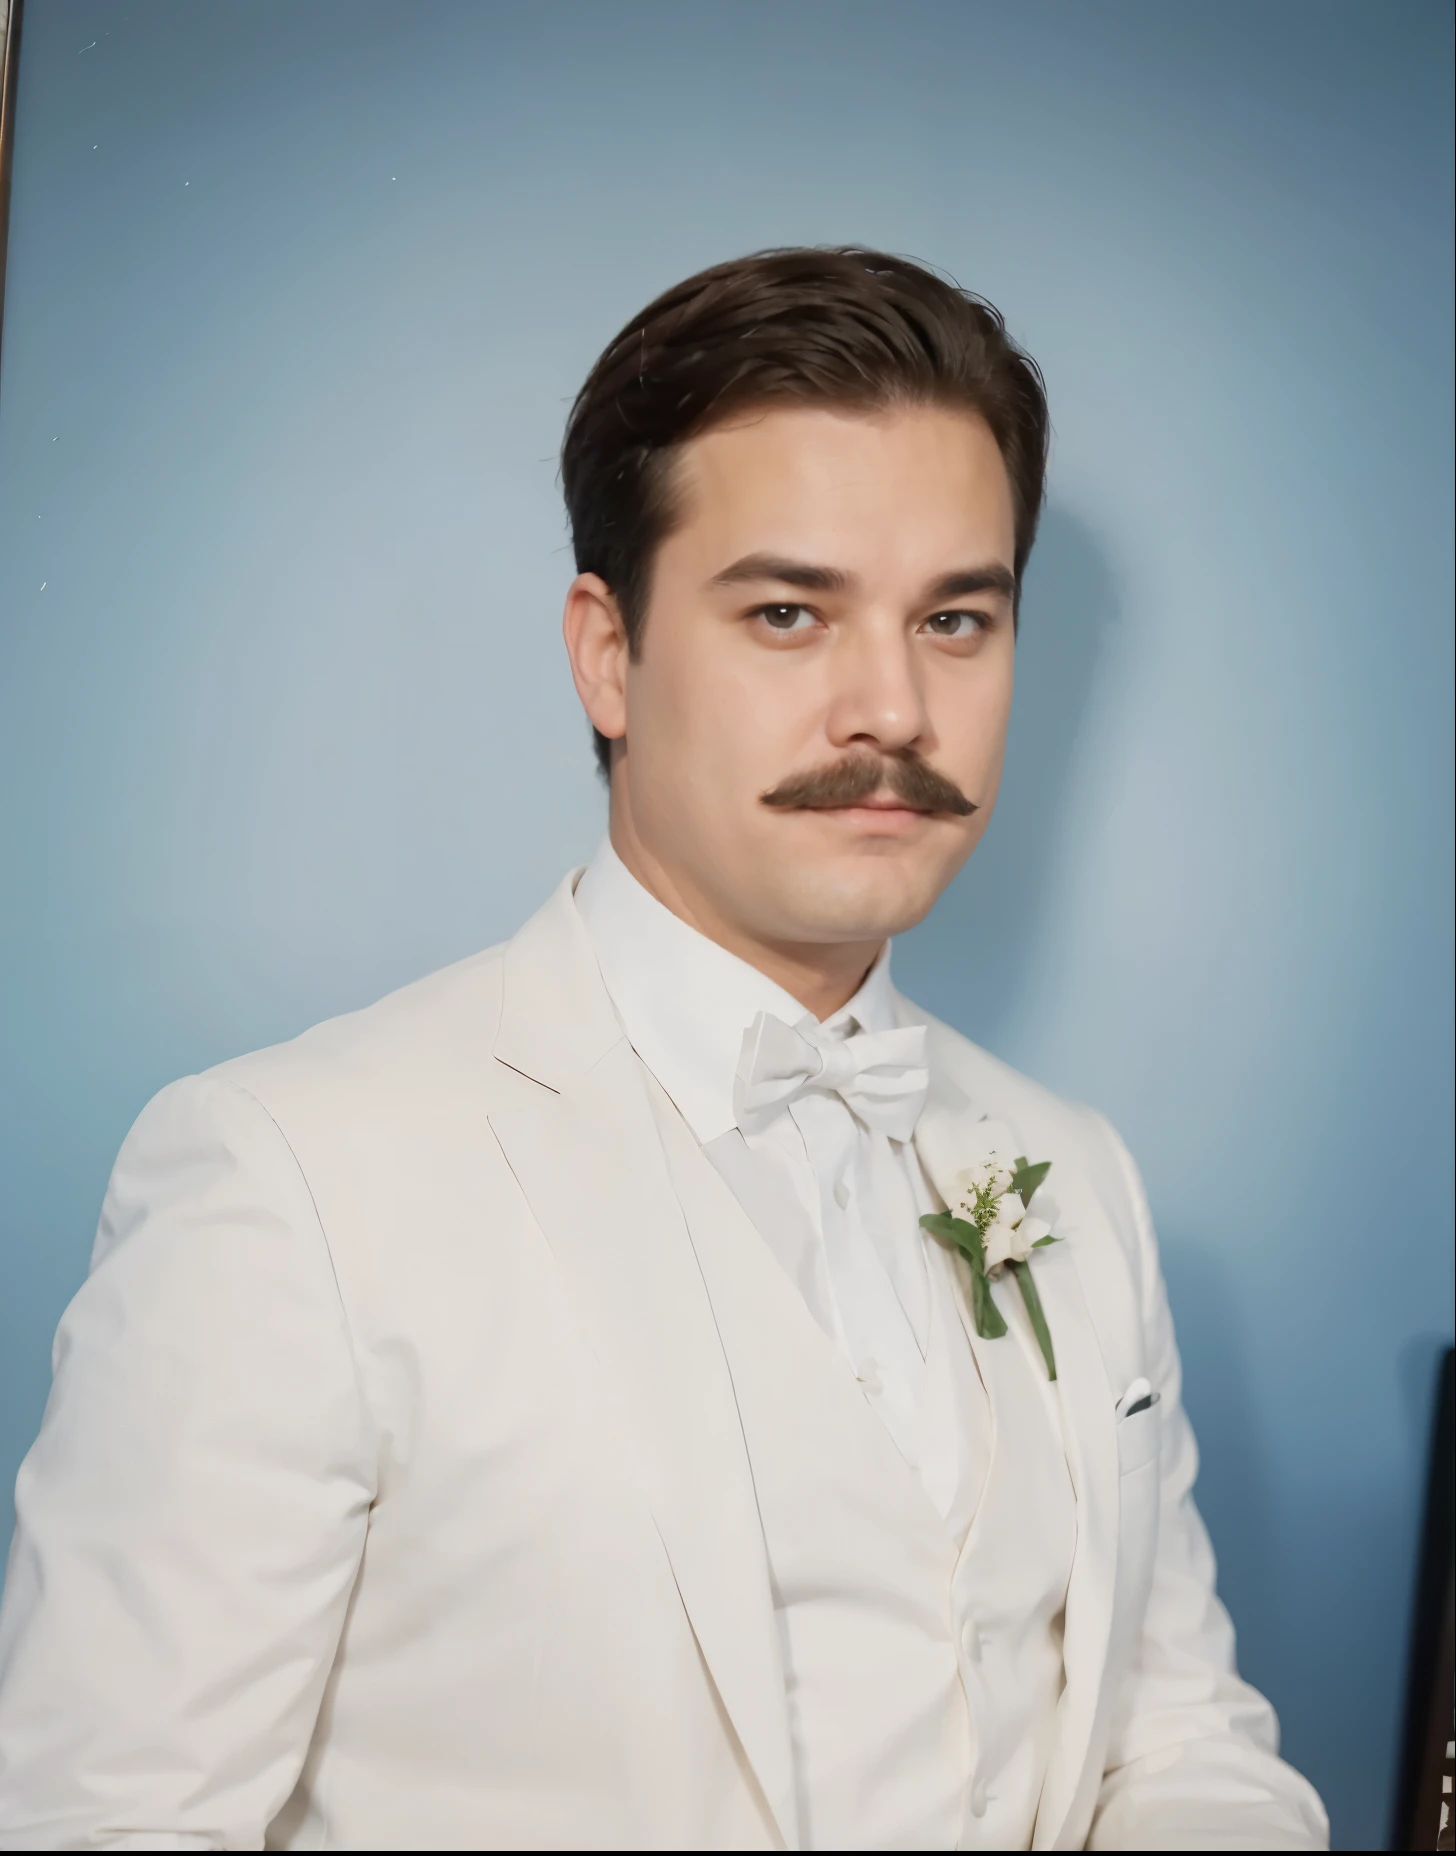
(685, 1003)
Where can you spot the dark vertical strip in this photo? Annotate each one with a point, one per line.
(7, 136)
(1425, 1760)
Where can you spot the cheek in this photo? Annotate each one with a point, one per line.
(685, 724)
(971, 722)
(664, 689)
(715, 710)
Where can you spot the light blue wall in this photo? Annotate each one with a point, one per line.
(298, 298)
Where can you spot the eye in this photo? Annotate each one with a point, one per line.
(784, 619)
(955, 624)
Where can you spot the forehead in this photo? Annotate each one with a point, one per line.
(903, 490)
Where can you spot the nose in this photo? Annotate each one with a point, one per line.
(878, 696)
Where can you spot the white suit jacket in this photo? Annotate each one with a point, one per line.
(392, 1490)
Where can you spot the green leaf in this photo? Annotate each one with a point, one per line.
(965, 1237)
(989, 1322)
(1026, 1179)
(1037, 1315)
(1050, 1238)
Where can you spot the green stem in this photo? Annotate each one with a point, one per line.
(1037, 1316)
(989, 1324)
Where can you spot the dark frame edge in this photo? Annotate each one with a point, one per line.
(8, 79)
(1426, 1714)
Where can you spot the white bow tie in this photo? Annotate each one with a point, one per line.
(880, 1075)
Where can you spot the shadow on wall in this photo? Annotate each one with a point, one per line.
(967, 963)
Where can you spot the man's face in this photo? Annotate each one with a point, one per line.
(836, 601)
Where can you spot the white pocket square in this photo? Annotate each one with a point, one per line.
(1139, 1396)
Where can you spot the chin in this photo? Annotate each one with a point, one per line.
(866, 901)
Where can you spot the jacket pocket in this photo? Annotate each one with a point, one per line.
(1137, 1439)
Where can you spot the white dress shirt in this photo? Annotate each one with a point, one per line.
(837, 1203)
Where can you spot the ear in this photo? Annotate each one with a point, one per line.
(596, 643)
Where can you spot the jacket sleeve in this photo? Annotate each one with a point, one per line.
(190, 1521)
(1193, 1759)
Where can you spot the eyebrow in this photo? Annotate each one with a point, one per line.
(788, 573)
(992, 578)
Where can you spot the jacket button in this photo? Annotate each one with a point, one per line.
(870, 1378)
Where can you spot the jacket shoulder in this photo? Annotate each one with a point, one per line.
(995, 1088)
(437, 1032)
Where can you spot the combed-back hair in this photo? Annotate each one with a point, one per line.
(811, 325)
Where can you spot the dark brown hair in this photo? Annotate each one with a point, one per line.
(815, 325)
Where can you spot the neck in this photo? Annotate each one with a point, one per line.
(822, 977)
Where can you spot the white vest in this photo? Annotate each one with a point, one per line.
(922, 1681)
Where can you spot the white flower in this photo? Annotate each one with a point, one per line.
(1001, 1174)
(999, 1241)
(1003, 1237)
(992, 1175)
(964, 1188)
(1029, 1234)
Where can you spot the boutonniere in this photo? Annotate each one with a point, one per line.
(991, 1227)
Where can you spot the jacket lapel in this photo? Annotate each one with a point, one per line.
(952, 1135)
(1088, 1425)
(589, 1160)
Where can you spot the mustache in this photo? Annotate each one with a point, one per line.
(858, 777)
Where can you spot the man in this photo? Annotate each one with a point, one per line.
(536, 1411)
